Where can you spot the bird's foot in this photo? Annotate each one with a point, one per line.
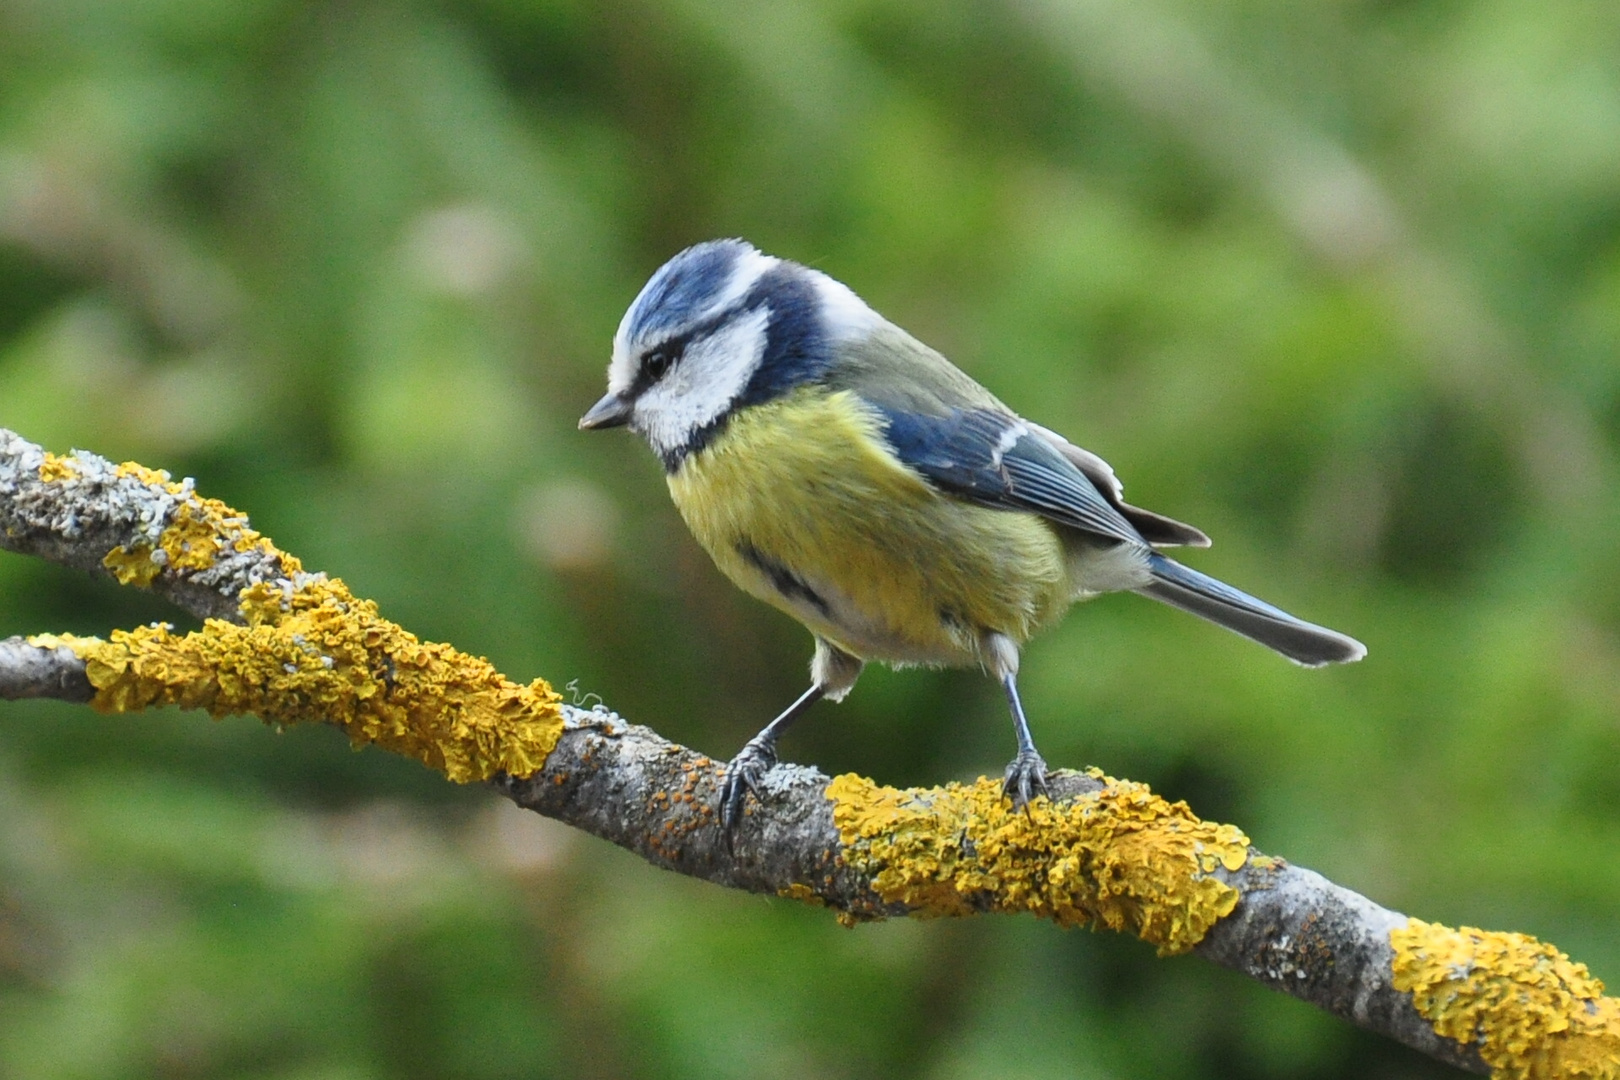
(1025, 778)
(744, 774)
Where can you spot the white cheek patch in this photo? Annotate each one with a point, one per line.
(705, 381)
(745, 272)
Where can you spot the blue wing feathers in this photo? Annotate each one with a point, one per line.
(978, 455)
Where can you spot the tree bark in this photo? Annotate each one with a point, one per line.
(1100, 851)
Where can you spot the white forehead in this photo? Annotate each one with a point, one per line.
(750, 265)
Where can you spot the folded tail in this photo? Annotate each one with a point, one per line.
(1300, 641)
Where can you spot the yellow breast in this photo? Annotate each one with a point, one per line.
(800, 503)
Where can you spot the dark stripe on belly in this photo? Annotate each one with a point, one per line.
(782, 579)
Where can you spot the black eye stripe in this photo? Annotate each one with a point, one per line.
(656, 364)
(657, 361)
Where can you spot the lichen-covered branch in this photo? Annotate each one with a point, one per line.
(290, 647)
(135, 525)
(38, 671)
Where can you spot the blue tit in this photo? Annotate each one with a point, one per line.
(842, 471)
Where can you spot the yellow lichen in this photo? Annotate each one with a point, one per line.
(198, 531)
(157, 478)
(800, 891)
(58, 641)
(320, 654)
(1122, 857)
(55, 467)
(202, 528)
(309, 651)
(191, 541)
(1531, 1012)
(132, 566)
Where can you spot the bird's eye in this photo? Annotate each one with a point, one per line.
(657, 363)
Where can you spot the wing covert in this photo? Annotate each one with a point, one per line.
(994, 459)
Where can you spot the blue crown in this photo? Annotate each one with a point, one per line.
(684, 288)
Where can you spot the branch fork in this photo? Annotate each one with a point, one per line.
(290, 646)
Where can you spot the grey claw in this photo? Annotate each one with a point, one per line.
(743, 774)
(1025, 778)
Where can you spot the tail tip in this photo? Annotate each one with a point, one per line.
(1343, 650)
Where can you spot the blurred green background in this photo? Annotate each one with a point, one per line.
(1338, 282)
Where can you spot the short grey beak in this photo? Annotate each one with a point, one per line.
(612, 411)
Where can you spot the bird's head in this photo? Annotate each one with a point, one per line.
(719, 327)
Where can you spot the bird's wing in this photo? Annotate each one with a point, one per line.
(1158, 530)
(994, 459)
(964, 441)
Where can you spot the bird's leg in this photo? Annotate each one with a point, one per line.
(832, 673)
(1026, 773)
(755, 759)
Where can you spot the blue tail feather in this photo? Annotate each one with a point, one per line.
(1304, 643)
